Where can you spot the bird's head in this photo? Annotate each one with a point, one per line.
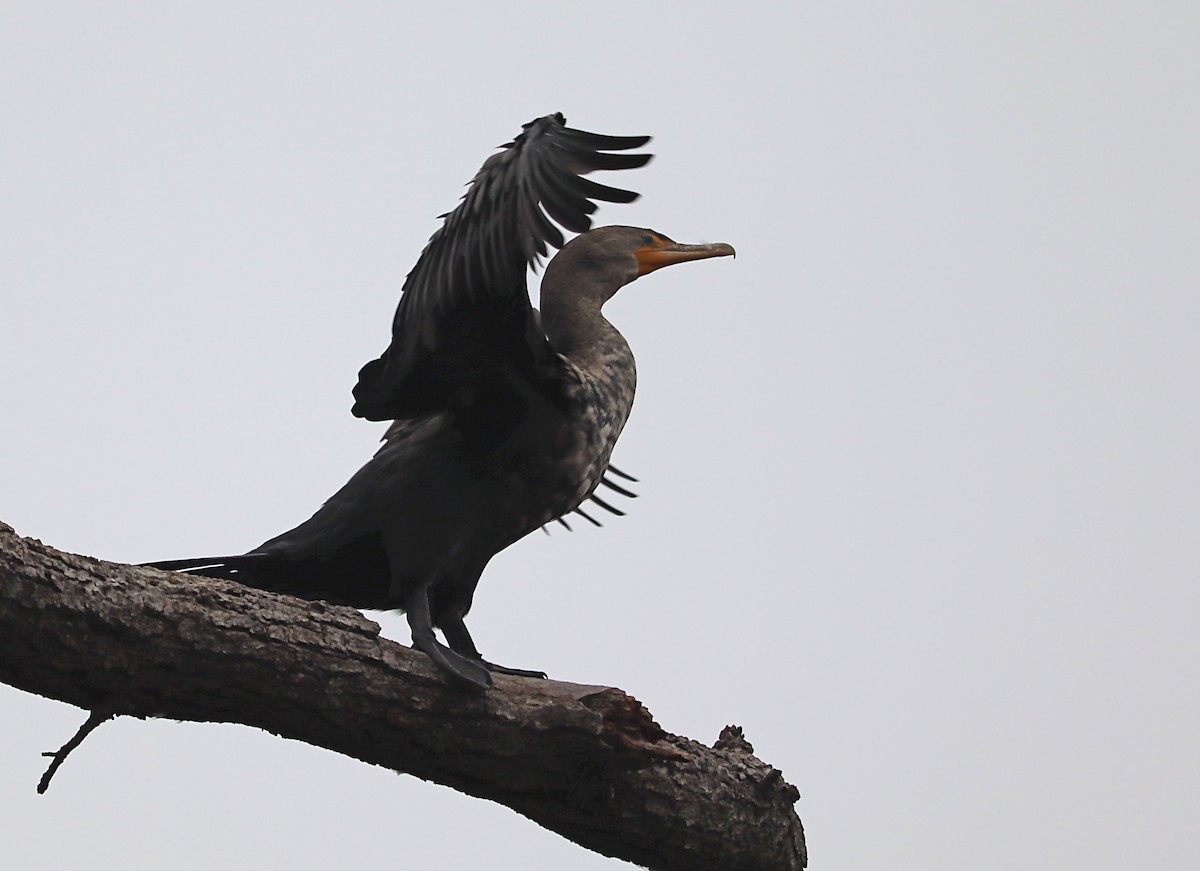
(598, 263)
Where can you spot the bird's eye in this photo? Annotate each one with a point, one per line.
(647, 240)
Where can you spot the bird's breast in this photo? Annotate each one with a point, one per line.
(556, 455)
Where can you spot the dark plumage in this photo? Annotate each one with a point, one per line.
(503, 421)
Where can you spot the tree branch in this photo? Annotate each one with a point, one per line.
(59, 756)
(587, 762)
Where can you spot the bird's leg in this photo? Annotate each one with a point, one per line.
(456, 633)
(466, 671)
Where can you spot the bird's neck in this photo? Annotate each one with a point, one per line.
(579, 331)
(571, 300)
(573, 322)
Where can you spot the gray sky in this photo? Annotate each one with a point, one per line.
(919, 505)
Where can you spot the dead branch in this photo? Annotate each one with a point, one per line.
(59, 756)
(588, 762)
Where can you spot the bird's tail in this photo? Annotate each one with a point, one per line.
(209, 566)
(356, 574)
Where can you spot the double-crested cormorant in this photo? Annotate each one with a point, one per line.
(503, 421)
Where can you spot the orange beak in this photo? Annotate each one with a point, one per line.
(664, 253)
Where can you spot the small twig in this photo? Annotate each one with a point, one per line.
(95, 718)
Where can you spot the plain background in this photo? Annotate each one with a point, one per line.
(919, 499)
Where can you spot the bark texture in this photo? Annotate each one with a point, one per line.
(588, 762)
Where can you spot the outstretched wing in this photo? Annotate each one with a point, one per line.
(465, 310)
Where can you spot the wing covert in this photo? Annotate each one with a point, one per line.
(465, 308)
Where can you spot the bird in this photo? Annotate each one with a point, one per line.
(503, 417)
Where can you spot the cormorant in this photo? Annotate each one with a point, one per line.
(503, 420)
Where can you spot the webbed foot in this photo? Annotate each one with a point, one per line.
(518, 672)
(468, 673)
(460, 642)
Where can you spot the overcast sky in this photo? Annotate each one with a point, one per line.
(920, 499)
